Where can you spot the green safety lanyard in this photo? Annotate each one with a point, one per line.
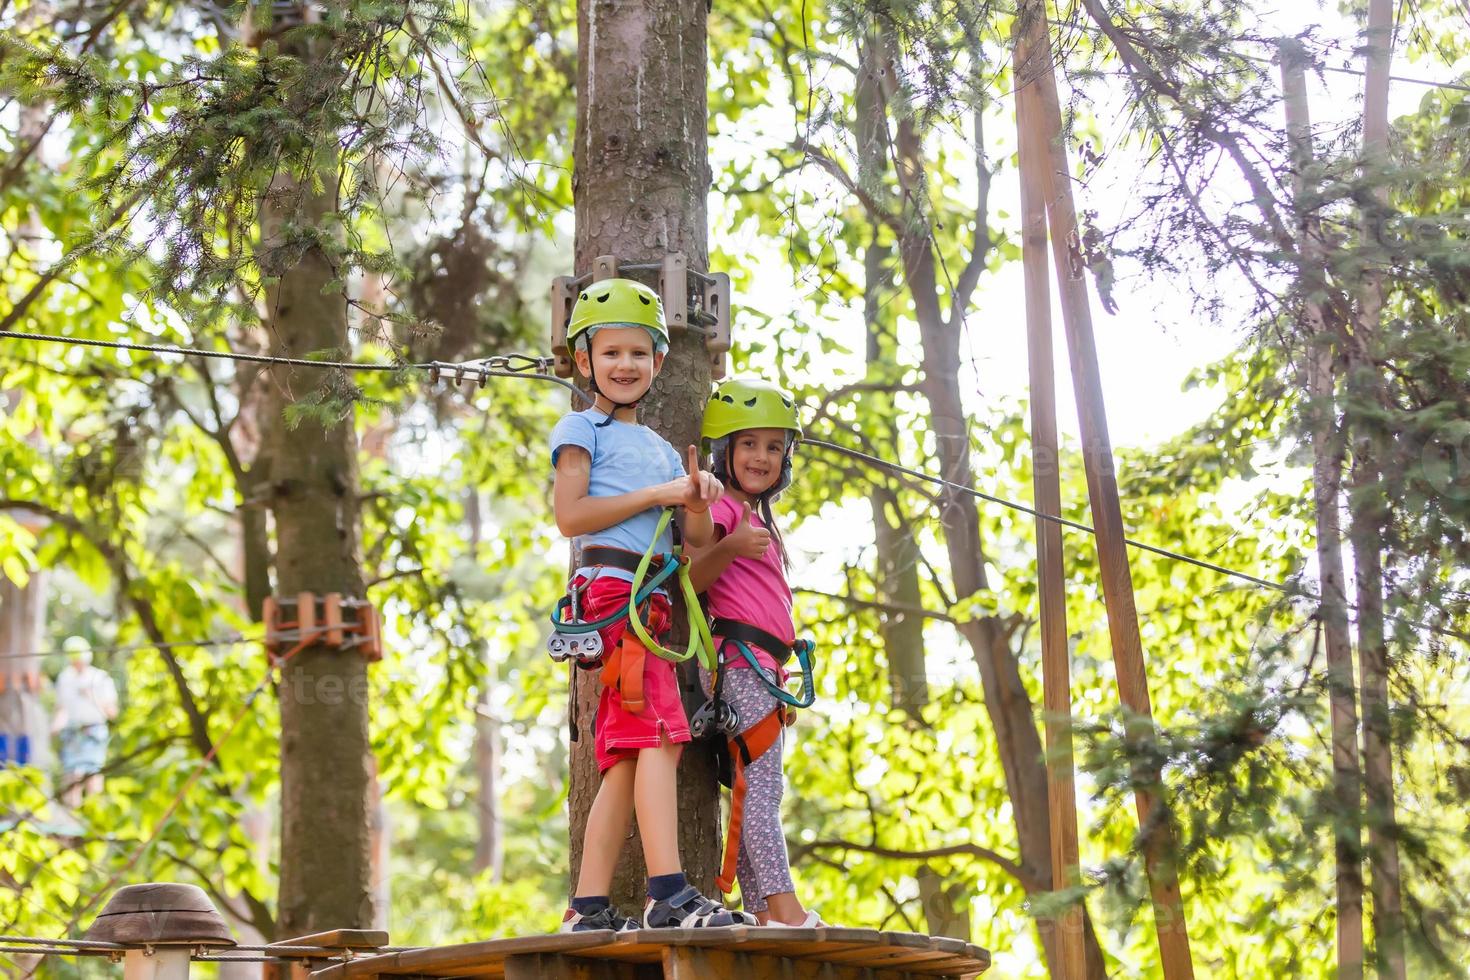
(700, 641)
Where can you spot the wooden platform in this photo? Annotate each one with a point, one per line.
(738, 952)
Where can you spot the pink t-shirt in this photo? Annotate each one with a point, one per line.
(752, 590)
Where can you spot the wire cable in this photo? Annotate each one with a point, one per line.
(1343, 70)
(533, 367)
(1282, 587)
(224, 641)
(1322, 50)
(478, 371)
(70, 943)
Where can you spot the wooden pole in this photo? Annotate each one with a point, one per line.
(1327, 464)
(1156, 829)
(1046, 482)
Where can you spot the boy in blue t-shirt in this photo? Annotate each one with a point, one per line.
(614, 477)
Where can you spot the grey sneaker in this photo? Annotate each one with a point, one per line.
(605, 918)
(688, 909)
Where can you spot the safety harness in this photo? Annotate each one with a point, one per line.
(719, 716)
(622, 669)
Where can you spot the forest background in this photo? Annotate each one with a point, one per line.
(132, 199)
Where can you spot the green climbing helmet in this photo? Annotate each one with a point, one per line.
(749, 403)
(617, 303)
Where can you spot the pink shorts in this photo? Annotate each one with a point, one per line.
(619, 734)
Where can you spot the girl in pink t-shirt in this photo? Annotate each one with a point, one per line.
(752, 429)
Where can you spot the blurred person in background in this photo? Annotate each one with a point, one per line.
(86, 700)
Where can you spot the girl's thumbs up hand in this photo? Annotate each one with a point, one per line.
(748, 540)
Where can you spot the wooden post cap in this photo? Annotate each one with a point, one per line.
(160, 913)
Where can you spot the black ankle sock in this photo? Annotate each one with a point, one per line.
(590, 904)
(661, 887)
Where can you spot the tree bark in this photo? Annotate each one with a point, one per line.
(640, 185)
(489, 848)
(1370, 516)
(326, 770)
(1327, 465)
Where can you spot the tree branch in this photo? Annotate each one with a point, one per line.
(969, 278)
(897, 608)
(1027, 879)
(870, 204)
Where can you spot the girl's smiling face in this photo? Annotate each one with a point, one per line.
(756, 458)
(623, 360)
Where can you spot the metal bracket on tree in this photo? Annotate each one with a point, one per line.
(293, 623)
(692, 300)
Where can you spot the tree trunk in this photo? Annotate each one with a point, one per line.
(641, 181)
(1007, 702)
(896, 574)
(489, 849)
(326, 771)
(1370, 515)
(1327, 464)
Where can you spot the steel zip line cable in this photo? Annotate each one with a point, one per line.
(1282, 587)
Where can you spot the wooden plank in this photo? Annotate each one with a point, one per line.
(447, 961)
(559, 966)
(647, 945)
(367, 966)
(688, 963)
(336, 939)
(893, 950)
(341, 938)
(788, 954)
(835, 940)
(1102, 492)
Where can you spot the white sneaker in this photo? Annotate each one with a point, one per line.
(812, 921)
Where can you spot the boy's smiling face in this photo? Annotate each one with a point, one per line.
(622, 362)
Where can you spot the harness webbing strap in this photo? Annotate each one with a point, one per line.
(745, 748)
(623, 672)
(734, 629)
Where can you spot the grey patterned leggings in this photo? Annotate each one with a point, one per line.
(763, 867)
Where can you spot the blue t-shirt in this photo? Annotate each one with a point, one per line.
(625, 457)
